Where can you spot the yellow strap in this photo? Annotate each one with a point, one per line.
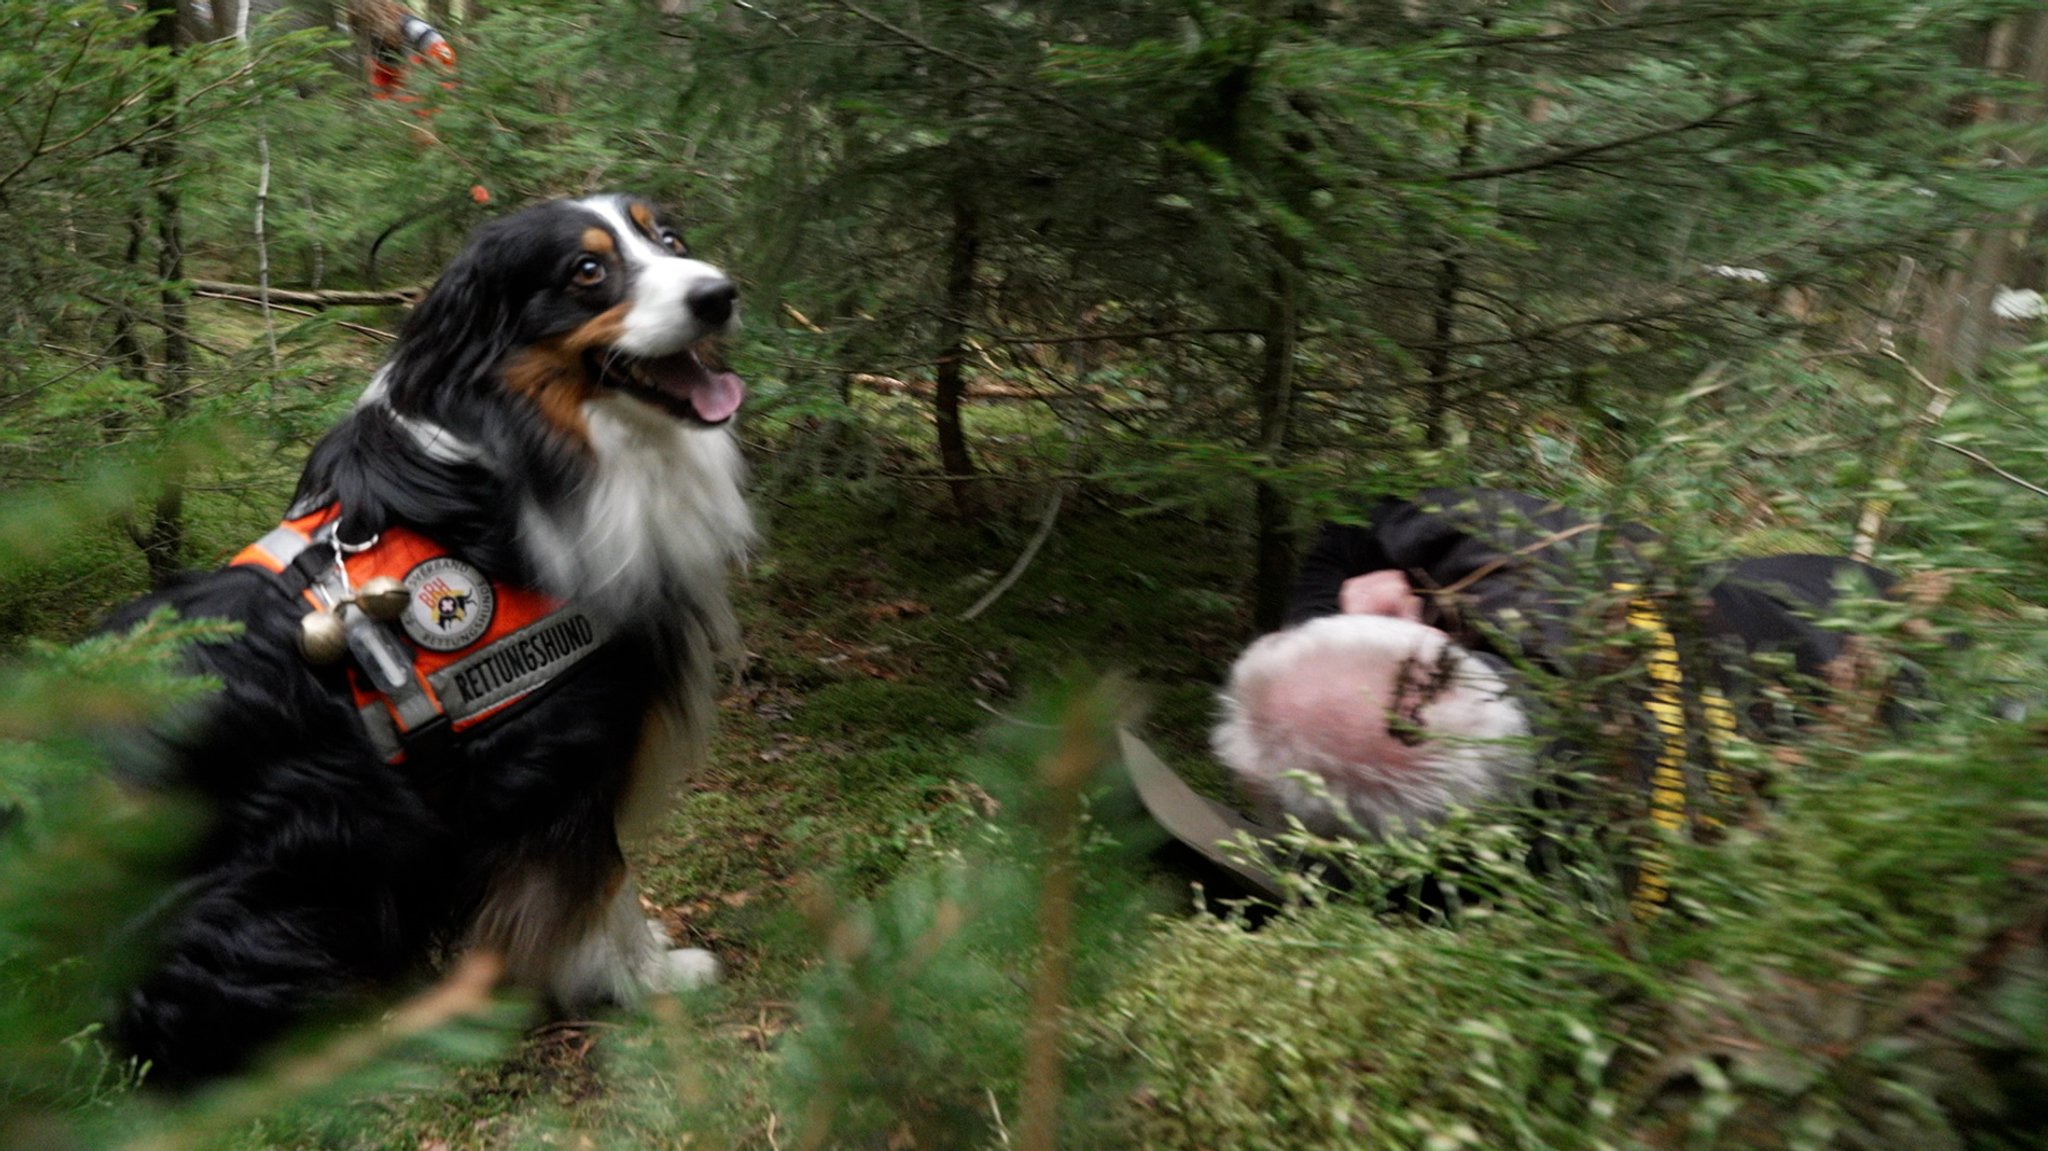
(1669, 807)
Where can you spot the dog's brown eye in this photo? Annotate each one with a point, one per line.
(589, 270)
(674, 241)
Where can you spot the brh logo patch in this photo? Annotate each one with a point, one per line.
(450, 604)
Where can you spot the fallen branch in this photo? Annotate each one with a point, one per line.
(324, 299)
(1126, 337)
(890, 385)
(273, 306)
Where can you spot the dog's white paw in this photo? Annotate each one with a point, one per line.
(673, 968)
(659, 933)
(688, 968)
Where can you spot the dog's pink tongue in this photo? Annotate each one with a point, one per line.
(718, 396)
(714, 396)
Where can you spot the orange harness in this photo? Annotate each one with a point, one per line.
(471, 647)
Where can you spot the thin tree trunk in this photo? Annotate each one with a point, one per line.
(1957, 328)
(262, 201)
(1273, 393)
(964, 252)
(128, 348)
(163, 540)
(1961, 319)
(1450, 279)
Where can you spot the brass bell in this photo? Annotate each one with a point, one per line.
(321, 639)
(382, 598)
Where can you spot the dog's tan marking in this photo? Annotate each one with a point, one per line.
(599, 242)
(643, 218)
(671, 749)
(535, 911)
(600, 331)
(552, 375)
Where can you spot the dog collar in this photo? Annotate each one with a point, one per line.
(465, 649)
(434, 441)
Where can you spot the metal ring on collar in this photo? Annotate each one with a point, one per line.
(343, 547)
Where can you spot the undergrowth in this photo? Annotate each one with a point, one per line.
(1854, 969)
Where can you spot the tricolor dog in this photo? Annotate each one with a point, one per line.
(481, 642)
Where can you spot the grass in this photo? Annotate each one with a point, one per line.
(845, 742)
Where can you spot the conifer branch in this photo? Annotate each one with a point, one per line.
(981, 69)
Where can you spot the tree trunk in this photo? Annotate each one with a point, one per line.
(163, 540)
(1273, 512)
(959, 303)
(1960, 319)
(1443, 328)
(129, 351)
(1450, 278)
(1956, 324)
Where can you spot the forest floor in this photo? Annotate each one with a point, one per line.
(841, 757)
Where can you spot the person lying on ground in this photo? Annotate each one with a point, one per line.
(1429, 644)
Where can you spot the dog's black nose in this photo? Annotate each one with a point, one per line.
(712, 301)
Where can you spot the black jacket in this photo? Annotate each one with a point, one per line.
(1510, 574)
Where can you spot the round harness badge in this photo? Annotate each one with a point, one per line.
(449, 604)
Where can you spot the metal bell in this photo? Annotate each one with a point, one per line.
(321, 639)
(382, 598)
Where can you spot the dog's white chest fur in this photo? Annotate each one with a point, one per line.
(662, 510)
(654, 526)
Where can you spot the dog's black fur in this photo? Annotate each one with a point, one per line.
(516, 423)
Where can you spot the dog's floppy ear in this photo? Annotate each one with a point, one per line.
(458, 331)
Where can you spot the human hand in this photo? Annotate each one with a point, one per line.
(1383, 592)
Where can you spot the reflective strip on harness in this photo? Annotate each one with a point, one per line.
(283, 543)
(1671, 806)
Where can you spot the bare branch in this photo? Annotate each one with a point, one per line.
(1038, 538)
(1870, 525)
(1568, 156)
(2002, 473)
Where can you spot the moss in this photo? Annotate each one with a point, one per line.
(1328, 1028)
(873, 705)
